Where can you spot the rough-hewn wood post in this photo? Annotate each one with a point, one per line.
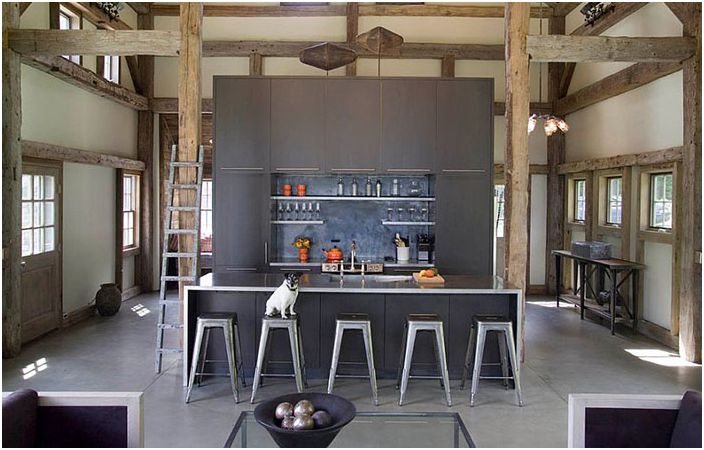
(448, 66)
(255, 65)
(189, 120)
(352, 31)
(690, 229)
(11, 188)
(145, 152)
(517, 17)
(556, 156)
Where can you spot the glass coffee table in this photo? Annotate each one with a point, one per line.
(372, 429)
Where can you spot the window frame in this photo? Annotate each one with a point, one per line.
(135, 178)
(203, 209)
(574, 199)
(608, 201)
(651, 191)
(100, 67)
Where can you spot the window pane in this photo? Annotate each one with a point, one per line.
(49, 239)
(26, 214)
(26, 242)
(49, 187)
(38, 245)
(64, 22)
(38, 214)
(668, 186)
(48, 213)
(26, 187)
(125, 220)
(38, 187)
(127, 238)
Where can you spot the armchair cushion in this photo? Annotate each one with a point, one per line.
(688, 426)
(19, 419)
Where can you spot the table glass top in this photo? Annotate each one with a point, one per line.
(372, 429)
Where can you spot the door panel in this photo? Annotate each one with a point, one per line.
(41, 243)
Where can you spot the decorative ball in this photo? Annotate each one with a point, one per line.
(303, 422)
(287, 422)
(284, 409)
(321, 418)
(303, 407)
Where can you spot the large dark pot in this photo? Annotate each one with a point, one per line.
(108, 299)
(341, 410)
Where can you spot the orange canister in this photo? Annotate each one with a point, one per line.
(301, 188)
(286, 190)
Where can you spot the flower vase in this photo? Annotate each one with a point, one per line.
(302, 255)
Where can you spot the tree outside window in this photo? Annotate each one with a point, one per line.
(661, 200)
(614, 200)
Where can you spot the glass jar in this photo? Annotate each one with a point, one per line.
(414, 189)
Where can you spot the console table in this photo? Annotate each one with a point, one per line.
(612, 268)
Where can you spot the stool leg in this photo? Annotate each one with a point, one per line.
(196, 358)
(514, 365)
(367, 335)
(240, 359)
(478, 358)
(231, 362)
(335, 356)
(436, 352)
(504, 358)
(260, 359)
(400, 356)
(267, 351)
(468, 355)
(202, 361)
(302, 353)
(440, 337)
(408, 355)
(296, 356)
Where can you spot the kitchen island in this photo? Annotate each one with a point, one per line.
(386, 299)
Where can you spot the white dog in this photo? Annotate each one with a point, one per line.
(284, 297)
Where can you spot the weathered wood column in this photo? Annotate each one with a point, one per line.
(11, 188)
(690, 229)
(517, 16)
(189, 120)
(556, 156)
(352, 31)
(145, 152)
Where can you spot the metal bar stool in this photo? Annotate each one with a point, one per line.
(228, 323)
(481, 325)
(355, 321)
(420, 323)
(292, 325)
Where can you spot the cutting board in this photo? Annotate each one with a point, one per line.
(437, 279)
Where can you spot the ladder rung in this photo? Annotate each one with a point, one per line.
(169, 350)
(169, 326)
(181, 231)
(178, 278)
(184, 186)
(186, 164)
(179, 255)
(182, 208)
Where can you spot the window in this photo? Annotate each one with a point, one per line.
(614, 201)
(580, 200)
(70, 21)
(206, 217)
(111, 68)
(500, 207)
(130, 208)
(661, 200)
(38, 214)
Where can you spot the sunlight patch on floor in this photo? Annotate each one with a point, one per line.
(34, 368)
(660, 357)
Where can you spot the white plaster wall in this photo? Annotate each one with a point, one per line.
(128, 274)
(88, 232)
(538, 224)
(657, 298)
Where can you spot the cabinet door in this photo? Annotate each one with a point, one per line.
(241, 137)
(297, 125)
(463, 230)
(352, 125)
(465, 125)
(240, 221)
(408, 117)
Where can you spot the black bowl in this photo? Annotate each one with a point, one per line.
(341, 410)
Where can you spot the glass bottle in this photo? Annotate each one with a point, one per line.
(354, 187)
(340, 187)
(368, 187)
(395, 188)
(317, 211)
(378, 188)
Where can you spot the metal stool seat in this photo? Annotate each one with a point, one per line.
(481, 326)
(292, 325)
(421, 323)
(228, 323)
(353, 321)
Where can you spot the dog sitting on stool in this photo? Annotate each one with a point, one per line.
(284, 297)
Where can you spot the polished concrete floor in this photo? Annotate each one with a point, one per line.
(563, 355)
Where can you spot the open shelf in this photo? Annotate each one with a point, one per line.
(392, 223)
(297, 222)
(294, 198)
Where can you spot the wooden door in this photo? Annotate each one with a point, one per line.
(41, 248)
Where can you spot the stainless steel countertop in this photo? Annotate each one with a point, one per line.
(267, 282)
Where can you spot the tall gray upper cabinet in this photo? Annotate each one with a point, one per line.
(408, 118)
(297, 122)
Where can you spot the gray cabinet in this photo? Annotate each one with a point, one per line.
(241, 132)
(408, 130)
(352, 125)
(464, 218)
(240, 221)
(297, 125)
(465, 125)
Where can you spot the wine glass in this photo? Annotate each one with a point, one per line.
(303, 212)
(280, 212)
(287, 215)
(390, 214)
(296, 212)
(317, 211)
(400, 214)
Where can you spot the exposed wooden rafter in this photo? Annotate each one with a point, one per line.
(635, 159)
(561, 9)
(61, 153)
(140, 7)
(24, 6)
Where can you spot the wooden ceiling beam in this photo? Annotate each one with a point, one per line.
(94, 42)
(625, 80)
(140, 7)
(635, 159)
(85, 79)
(556, 48)
(24, 6)
(60, 153)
